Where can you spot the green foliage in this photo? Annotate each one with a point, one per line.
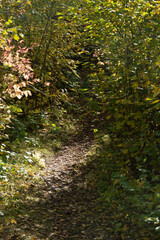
(49, 25)
(104, 57)
(17, 175)
(126, 95)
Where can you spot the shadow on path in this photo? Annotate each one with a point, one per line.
(65, 207)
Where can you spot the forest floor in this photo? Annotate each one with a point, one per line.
(65, 205)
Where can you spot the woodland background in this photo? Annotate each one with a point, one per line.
(89, 66)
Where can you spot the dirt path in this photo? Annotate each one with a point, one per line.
(66, 208)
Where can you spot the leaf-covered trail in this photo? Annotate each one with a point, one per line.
(65, 207)
(69, 210)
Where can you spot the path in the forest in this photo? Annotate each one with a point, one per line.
(67, 207)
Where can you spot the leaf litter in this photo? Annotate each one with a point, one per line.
(65, 206)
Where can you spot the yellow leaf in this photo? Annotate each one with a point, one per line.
(29, 3)
(13, 221)
(9, 22)
(95, 130)
(60, 18)
(81, 52)
(120, 145)
(156, 101)
(144, 13)
(108, 117)
(125, 151)
(16, 37)
(158, 63)
(4, 32)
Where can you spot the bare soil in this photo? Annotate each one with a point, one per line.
(65, 207)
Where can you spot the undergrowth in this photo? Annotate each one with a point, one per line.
(21, 164)
(134, 203)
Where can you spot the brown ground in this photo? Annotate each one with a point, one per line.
(66, 206)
